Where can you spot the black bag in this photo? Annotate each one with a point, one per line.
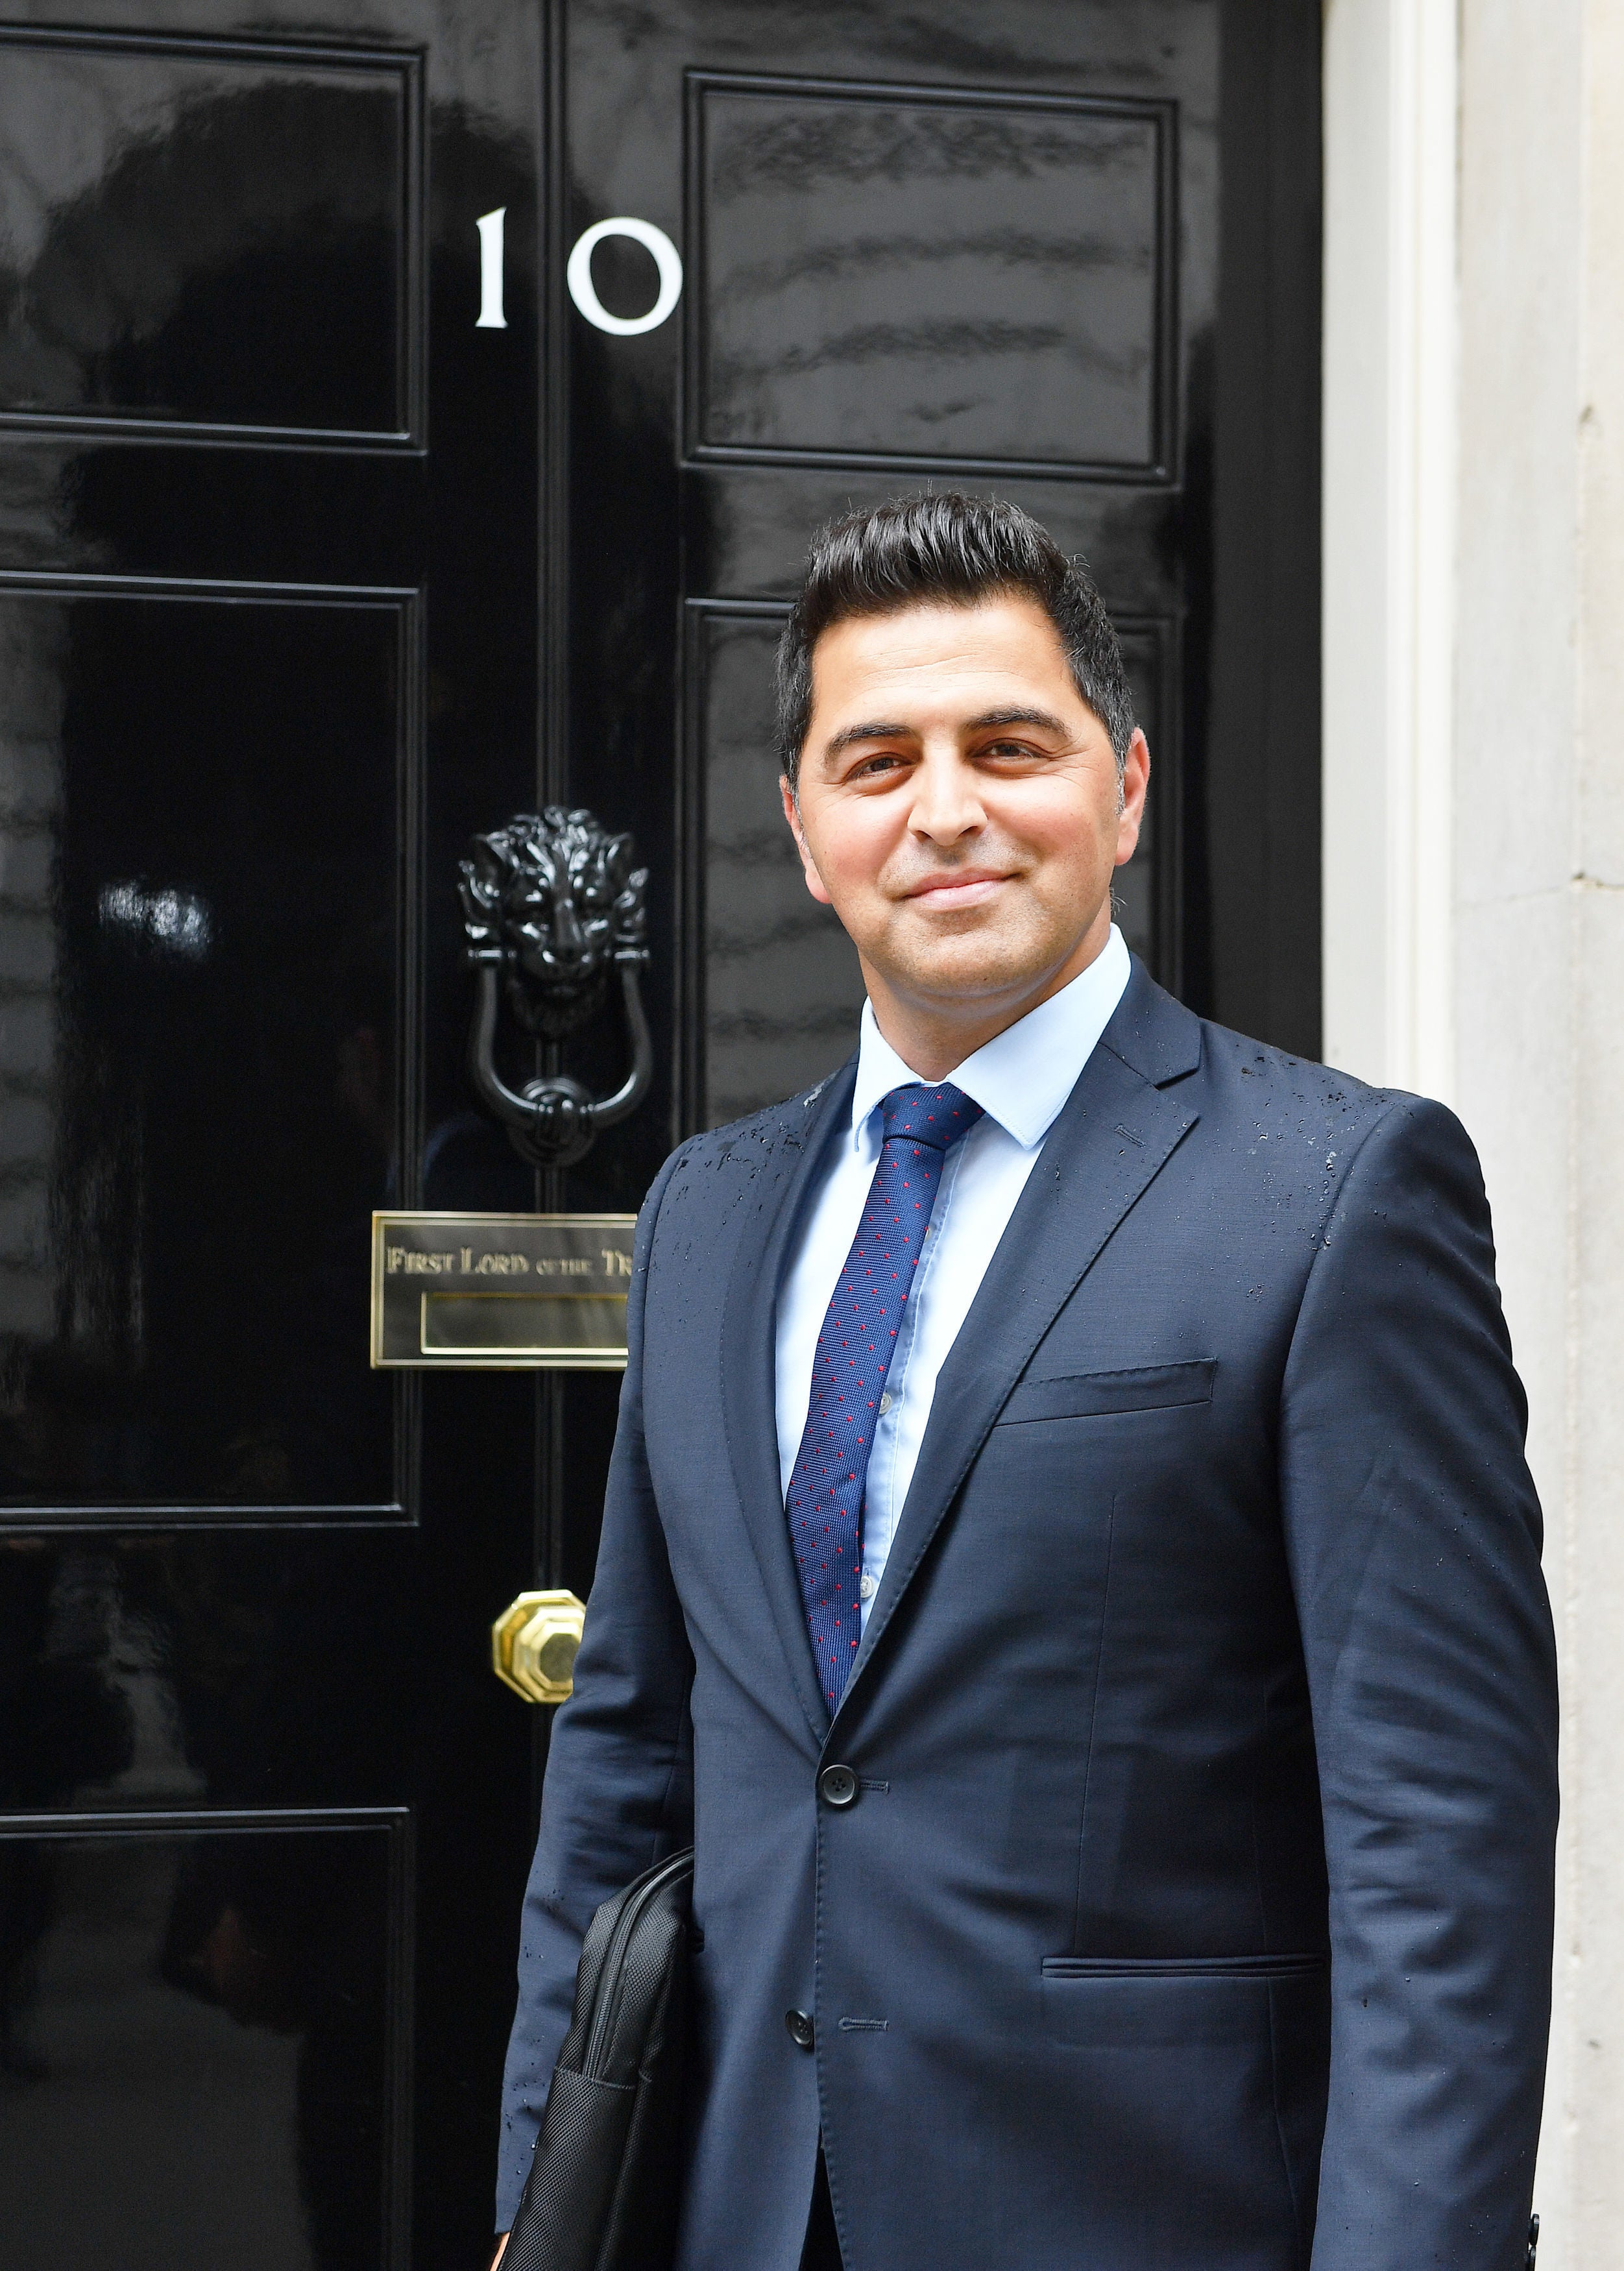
(602, 2192)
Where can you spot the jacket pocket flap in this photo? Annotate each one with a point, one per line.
(1144, 1388)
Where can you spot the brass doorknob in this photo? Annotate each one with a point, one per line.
(533, 1645)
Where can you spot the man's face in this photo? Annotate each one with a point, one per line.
(959, 805)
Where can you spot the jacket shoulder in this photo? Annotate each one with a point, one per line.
(1303, 1106)
(1170, 1045)
(1263, 1075)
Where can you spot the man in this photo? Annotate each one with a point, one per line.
(1069, 1563)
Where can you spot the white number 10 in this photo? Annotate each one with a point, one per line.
(578, 275)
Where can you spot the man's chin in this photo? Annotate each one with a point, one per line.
(975, 976)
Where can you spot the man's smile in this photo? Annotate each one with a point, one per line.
(965, 887)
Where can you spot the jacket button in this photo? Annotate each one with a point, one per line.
(800, 2029)
(838, 1785)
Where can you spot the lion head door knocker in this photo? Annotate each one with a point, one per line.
(551, 904)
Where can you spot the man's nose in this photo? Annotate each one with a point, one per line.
(947, 799)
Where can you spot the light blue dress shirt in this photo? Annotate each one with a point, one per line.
(1020, 1080)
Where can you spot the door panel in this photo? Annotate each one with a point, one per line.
(161, 247)
(231, 1983)
(202, 854)
(941, 276)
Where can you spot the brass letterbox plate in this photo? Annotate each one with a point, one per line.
(501, 1292)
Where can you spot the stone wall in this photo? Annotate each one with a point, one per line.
(1505, 923)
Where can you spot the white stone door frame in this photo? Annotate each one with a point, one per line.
(1474, 800)
(1389, 503)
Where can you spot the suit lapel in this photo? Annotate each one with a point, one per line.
(750, 1337)
(1114, 1133)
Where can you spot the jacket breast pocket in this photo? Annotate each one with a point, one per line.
(1085, 1395)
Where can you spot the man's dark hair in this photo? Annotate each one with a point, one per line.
(918, 551)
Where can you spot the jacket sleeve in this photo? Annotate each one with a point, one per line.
(618, 1793)
(1413, 1533)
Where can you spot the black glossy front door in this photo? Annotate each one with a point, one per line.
(334, 529)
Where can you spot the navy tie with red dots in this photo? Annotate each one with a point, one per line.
(854, 1353)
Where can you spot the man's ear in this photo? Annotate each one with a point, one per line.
(808, 866)
(1130, 808)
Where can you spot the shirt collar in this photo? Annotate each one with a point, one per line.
(1023, 1075)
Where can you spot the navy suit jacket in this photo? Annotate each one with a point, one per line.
(1200, 1872)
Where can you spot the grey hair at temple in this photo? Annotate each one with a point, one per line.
(946, 548)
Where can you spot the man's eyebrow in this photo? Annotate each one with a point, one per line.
(848, 734)
(880, 731)
(1019, 717)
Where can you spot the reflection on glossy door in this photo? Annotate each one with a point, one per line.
(227, 1992)
(166, 208)
(196, 1060)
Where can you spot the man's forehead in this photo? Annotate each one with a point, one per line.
(943, 657)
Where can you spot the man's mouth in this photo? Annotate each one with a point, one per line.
(960, 886)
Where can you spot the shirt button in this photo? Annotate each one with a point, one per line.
(867, 1587)
(800, 2029)
(838, 1784)
(886, 1402)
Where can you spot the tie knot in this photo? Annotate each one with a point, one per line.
(936, 1116)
